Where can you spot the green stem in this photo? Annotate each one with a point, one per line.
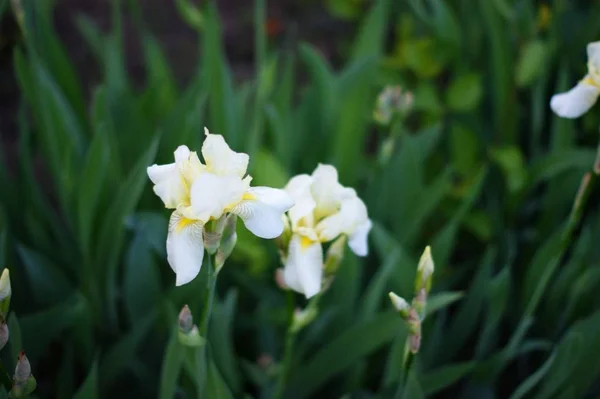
(585, 188)
(6, 380)
(201, 355)
(290, 340)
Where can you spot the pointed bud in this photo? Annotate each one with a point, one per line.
(5, 293)
(4, 334)
(424, 271)
(303, 318)
(334, 257)
(23, 369)
(400, 304)
(186, 320)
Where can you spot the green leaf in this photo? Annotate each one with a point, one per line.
(171, 366)
(441, 300)
(343, 352)
(372, 32)
(89, 389)
(445, 376)
(526, 386)
(532, 62)
(465, 92)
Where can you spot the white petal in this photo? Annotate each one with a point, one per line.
(168, 184)
(299, 189)
(182, 153)
(212, 195)
(352, 214)
(575, 102)
(262, 209)
(184, 248)
(358, 240)
(593, 53)
(326, 190)
(220, 159)
(303, 269)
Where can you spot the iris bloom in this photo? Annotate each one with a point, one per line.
(199, 193)
(578, 100)
(323, 211)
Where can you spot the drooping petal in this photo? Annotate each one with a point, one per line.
(212, 195)
(303, 269)
(358, 240)
(261, 211)
(220, 159)
(575, 102)
(299, 190)
(185, 248)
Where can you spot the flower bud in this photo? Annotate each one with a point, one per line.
(23, 369)
(419, 302)
(400, 304)
(303, 318)
(4, 334)
(186, 320)
(192, 338)
(334, 257)
(228, 241)
(414, 343)
(5, 293)
(424, 271)
(280, 279)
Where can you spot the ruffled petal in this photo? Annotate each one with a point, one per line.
(261, 211)
(220, 159)
(575, 102)
(358, 240)
(303, 271)
(185, 249)
(212, 195)
(352, 214)
(168, 182)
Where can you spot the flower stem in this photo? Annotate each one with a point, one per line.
(290, 340)
(201, 354)
(585, 188)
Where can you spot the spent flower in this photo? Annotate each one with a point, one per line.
(202, 195)
(392, 101)
(577, 101)
(324, 210)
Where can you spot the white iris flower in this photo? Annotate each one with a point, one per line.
(578, 100)
(199, 193)
(323, 211)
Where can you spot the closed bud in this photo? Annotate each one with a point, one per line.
(228, 241)
(280, 279)
(186, 320)
(419, 302)
(5, 293)
(3, 334)
(192, 338)
(23, 369)
(424, 271)
(334, 257)
(400, 304)
(414, 343)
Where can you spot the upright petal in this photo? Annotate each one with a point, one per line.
(299, 189)
(168, 184)
(593, 53)
(220, 159)
(352, 214)
(575, 102)
(303, 269)
(184, 248)
(212, 195)
(358, 239)
(326, 190)
(261, 211)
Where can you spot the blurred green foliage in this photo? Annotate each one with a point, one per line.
(480, 170)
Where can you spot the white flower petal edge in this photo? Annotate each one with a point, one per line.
(575, 102)
(262, 210)
(220, 159)
(299, 189)
(212, 195)
(303, 271)
(185, 249)
(168, 183)
(358, 240)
